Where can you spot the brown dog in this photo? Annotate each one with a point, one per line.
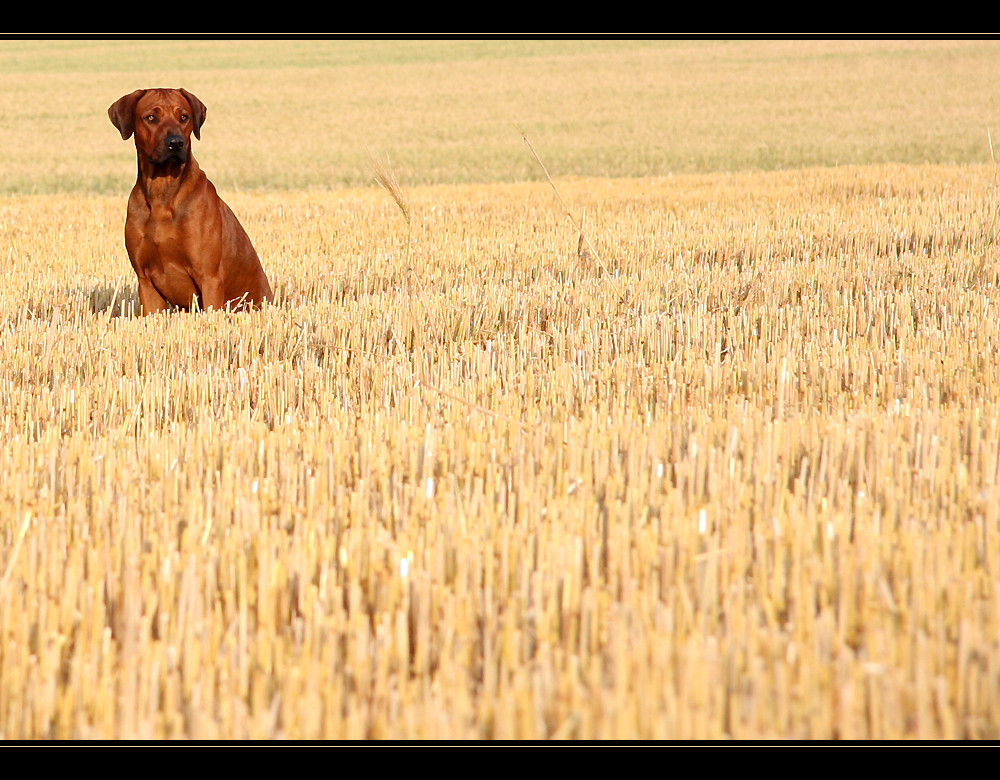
(184, 242)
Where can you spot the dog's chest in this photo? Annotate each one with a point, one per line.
(156, 238)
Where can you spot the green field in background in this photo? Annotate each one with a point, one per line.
(308, 113)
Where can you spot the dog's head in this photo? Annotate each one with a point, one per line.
(162, 121)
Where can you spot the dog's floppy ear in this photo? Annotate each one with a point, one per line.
(198, 111)
(122, 113)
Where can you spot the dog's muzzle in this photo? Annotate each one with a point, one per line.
(174, 149)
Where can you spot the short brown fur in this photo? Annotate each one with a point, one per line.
(184, 242)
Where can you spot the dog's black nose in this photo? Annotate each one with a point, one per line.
(175, 143)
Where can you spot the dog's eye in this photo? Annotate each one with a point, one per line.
(184, 117)
(151, 118)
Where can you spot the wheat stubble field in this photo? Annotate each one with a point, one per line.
(722, 464)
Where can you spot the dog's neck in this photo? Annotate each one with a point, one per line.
(165, 183)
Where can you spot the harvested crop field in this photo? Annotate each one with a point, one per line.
(704, 450)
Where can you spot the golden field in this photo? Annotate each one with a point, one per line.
(641, 453)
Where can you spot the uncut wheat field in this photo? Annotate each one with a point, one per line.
(613, 390)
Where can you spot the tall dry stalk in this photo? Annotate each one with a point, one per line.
(585, 247)
(386, 177)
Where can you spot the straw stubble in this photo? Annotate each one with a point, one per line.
(739, 479)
